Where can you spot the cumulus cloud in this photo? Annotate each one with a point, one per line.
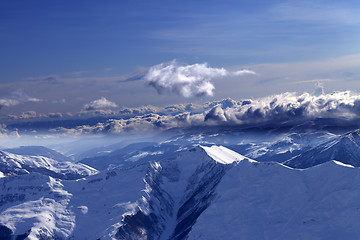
(187, 80)
(293, 109)
(99, 104)
(338, 109)
(55, 115)
(4, 102)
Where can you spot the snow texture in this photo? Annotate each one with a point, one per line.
(204, 192)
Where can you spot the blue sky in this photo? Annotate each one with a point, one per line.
(89, 41)
(52, 37)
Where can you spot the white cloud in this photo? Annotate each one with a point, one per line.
(22, 97)
(188, 80)
(17, 97)
(99, 104)
(339, 109)
(8, 102)
(242, 72)
(28, 114)
(292, 109)
(55, 115)
(273, 78)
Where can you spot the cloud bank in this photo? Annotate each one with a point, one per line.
(335, 110)
(99, 104)
(188, 80)
(339, 109)
(290, 108)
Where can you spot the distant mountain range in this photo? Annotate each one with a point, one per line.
(13, 164)
(345, 149)
(176, 189)
(38, 151)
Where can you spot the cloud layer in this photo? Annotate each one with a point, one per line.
(290, 108)
(188, 80)
(339, 109)
(99, 104)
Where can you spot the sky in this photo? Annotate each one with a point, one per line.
(63, 56)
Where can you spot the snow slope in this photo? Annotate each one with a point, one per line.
(42, 207)
(11, 164)
(99, 201)
(199, 198)
(38, 151)
(34, 206)
(202, 193)
(271, 201)
(178, 191)
(223, 155)
(345, 149)
(287, 146)
(131, 155)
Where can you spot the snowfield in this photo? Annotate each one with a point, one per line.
(271, 201)
(205, 192)
(11, 164)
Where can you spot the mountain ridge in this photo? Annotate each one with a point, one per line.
(178, 198)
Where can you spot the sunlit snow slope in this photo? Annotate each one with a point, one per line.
(13, 164)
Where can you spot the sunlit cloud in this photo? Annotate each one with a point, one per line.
(337, 109)
(8, 102)
(187, 80)
(99, 104)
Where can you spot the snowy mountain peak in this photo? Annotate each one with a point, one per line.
(224, 155)
(177, 192)
(345, 149)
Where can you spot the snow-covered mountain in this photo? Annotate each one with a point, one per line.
(129, 155)
(33, 206)
(13, 164)
(42, 207)
(262, 148)
(38, 151)
(345, 148)
(205, 192)
(286, 147)
(271, 201)
(177, 192)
